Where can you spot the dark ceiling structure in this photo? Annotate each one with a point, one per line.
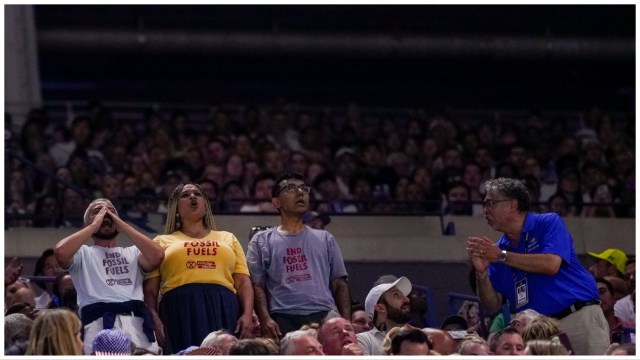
(557, 56)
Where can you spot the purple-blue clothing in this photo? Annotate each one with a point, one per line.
(547, 294)
(296, 269)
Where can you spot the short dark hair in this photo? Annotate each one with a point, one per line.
(287, 175)
(413, 335)
(511, 189)
(249, 347)
(39, 269)
(260, 177)
(607, 283)
(496, 338)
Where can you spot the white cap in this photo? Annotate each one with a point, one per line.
(403, 284)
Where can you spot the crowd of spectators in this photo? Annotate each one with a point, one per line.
(403, 162)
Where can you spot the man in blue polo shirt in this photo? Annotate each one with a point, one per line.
(534, 265)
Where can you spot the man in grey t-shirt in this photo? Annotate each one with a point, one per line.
(296, 271)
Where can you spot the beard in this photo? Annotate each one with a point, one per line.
(399, 316)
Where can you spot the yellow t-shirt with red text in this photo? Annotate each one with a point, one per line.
(212, 259)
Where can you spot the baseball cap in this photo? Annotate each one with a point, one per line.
(455, 320)
(111, 342)
(403, 284)
(613, 256)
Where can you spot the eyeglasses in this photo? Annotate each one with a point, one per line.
(293, 188)
(490, 204)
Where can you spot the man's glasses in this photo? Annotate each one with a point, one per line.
(490, 204)
(293, 188)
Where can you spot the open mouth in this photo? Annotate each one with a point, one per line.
(107, 221)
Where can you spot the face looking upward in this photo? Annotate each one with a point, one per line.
(337, 333)
(306, 345)
(293, 197)
(191, 205)
(108, 229)
(397, 305)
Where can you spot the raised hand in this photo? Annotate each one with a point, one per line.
(478, 257)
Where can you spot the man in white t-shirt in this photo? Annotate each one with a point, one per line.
(108, 278)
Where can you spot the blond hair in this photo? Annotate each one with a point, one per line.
(546, 347)
(173, 223)
(271, 344)
(388, 338)
(541, 327)
(55, 332)
(469, 341)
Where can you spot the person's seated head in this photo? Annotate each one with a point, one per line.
(17, 292)
(610, 262)
(17, 328)
(388, 337)
(453, 323)
(272, 345)
(300, 342)
(541, 327)
(620, 287)
(458, 197)
(507, 342)
(22, 308)
(311, 327)
(546, 347)
(315, 220)
(605, 289)
(361, 321)
(474, 346)
(111, 342)
(250, 347)
(388, 304)
(410, 342)
(418, 301)
(522, 319)
(442, 342)
(335, 334)
(55, 332)
(621, 349)
(61, 285)
(220, 339)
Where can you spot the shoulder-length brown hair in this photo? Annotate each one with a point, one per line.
(55, 332)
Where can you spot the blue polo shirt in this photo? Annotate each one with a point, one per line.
(547, 294)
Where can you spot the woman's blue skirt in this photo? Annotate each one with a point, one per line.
(191, 311)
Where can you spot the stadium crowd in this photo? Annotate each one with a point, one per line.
(301, 165)
(407, 161)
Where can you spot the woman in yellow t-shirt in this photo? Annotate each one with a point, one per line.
(203, 281)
